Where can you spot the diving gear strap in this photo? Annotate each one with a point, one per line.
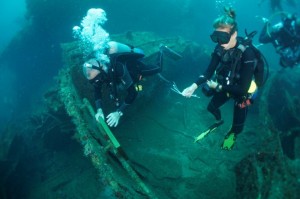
(209, 130)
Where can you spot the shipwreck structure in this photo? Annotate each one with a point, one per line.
(151, 154)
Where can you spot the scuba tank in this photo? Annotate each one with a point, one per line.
(116, 47)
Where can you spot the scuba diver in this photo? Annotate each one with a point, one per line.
(115, 64)
(285, 37)
(228, 82)
(125, 68)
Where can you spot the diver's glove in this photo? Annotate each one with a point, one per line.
(113, 118)
(188, 92)
(212, 84)
(99, 114)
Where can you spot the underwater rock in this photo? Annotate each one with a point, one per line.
(265, 175)
(280, 108)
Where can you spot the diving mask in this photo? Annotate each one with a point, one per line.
(91, 66)
(220, 37)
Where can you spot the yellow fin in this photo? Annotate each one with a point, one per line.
(202, 135)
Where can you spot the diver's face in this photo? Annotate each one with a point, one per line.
(232, 41)
(91, 73)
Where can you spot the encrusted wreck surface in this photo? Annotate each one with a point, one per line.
(158, 157)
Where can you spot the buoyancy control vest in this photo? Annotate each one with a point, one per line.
(231, 62)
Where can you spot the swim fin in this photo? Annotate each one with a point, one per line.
(229, 141)
(170, 53)
(209, 130)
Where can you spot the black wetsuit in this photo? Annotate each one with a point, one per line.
(124, 71)
(235, 87)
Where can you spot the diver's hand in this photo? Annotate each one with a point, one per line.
(99, 114)
(188, 92)
(113, 118)
(212, 84)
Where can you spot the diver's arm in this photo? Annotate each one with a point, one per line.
(114, 117)
(246, 75)
(214, 62)
(128, 83)
(98, 95)
(98, 101)
(131, 95)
